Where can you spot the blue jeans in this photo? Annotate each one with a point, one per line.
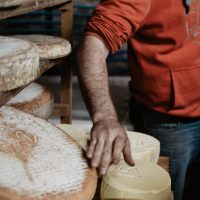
(180, 141)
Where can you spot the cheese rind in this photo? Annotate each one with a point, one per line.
(40, 161)
(50, 47)
(34, 99)
(144, 181)
(19, 63)
(10, 3)
(144, 147)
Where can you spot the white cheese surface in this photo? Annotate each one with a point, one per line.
(54, 164)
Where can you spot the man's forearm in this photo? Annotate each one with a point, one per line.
(93, 79)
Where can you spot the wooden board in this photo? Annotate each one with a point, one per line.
(28, 6)
(164, 162)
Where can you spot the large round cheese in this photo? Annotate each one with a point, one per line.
(10, 3)
(40, 161)
(19, 63)
(144, 147)
(75, 132)
(144, 181)
(50, 47)
(34, 99)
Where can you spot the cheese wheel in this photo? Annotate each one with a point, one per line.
(19, 63)
(76, 132)
(145, 180)
(50, 47)
(34, 99)
(10, 3)
(144, 147)
(40, 161)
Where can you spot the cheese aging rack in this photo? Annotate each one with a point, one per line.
(64, 107)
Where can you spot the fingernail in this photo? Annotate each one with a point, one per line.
(132, 164)
(94, 164)
(115, 162)
(89, 155)
(103, 171)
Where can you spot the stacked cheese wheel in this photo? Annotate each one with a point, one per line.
(19, 63)
(40, 161)
(144, 147)
(145, 180)
(10, 3)
(22, 59)
(34, 99)
(50, 47)
(19, 57)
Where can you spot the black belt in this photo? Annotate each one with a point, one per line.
(187, 4)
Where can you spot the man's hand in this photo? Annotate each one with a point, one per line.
(108, 141)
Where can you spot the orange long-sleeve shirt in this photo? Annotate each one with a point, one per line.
(164, 50)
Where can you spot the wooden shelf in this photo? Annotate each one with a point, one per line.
(28, 6)
(64, 107)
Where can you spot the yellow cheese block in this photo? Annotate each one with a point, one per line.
(144, 181)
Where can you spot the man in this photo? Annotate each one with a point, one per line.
(164, 47)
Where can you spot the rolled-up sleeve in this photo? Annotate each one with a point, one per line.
(115, 21)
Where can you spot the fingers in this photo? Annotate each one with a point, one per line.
(91, 148)
(97, 154)
(117, 150)
(106, 158)
(109, 140)
(127, 154)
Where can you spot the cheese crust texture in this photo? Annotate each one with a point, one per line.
(144, 181)
(10, 3)
(40, 161)
(34, 99)
(19, 63)
(50, 47)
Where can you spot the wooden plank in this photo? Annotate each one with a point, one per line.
(60, 110)
(28, 6)
(164, 163)
(66, 70)
(44, 66)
